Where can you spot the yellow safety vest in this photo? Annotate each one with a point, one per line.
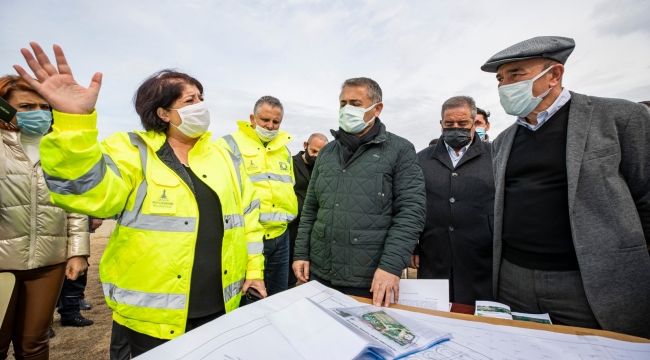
(147, 265)
(270, 168)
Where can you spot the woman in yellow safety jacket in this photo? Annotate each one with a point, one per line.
(188, 240)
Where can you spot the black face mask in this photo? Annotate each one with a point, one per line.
(457, 137)
(311, 160)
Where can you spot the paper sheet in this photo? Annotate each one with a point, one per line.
(246, 334)
(305, 326)
(493, 309)
(424, 293)
(536, 318)
(481, 341)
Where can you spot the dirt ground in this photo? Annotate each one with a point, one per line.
(93, 342)
(90, 342)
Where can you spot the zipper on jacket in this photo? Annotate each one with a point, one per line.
(32, 217)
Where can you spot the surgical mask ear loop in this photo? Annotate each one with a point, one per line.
(543, 95)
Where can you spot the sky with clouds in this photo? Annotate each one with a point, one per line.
(420, 52)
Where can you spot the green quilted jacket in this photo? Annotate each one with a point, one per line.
(363, 214)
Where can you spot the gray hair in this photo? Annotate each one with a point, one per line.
(269, 100)
(374, 91)
(459, 101)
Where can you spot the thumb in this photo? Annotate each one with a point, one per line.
(96, 83)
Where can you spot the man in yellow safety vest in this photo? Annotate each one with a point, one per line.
(261, 147)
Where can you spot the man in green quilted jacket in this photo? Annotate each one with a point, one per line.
(365, 205)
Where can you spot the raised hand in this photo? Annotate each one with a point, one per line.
(58, 87)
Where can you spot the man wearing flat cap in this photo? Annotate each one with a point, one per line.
(572, 204)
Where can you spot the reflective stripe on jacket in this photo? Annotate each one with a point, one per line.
(270, 169)
(146, 267)
(33, 232)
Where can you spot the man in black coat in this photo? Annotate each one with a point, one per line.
(456, 243)
(303, 165)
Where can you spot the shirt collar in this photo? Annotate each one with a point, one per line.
(543, 116)
(462, 151)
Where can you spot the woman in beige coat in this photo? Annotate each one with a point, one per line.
(39, 242)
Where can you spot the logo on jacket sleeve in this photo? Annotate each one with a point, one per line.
(284, 166)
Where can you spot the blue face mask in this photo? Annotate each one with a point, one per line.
(517, 99)
(34, 123)
(480, 131)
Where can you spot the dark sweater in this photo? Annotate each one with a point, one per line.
(536, 224)
(206, 296)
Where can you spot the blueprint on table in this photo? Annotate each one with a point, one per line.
(481, 341)
(246, 333)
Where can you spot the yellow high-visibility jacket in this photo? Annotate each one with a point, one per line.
(270, 169)
(146, 268)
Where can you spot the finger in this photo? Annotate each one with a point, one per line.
(43, 59)
(95, 83)
(306, 272)
(61, 61)
(301, 276)
(33, 64)
(417, 262)
(378, 295)
(245, 287)
(396, 291)
(301, 272)
(387, 295)
(28, 79)
(71, 274)
(261, 290)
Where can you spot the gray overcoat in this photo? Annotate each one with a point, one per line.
(608, 166)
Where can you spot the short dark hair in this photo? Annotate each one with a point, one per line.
(646, 103)
(374, 91)
(486, 114)
(160, 90)
(270, 101)
(433, 142)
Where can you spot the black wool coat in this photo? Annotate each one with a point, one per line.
(456, 243)
(302, 175)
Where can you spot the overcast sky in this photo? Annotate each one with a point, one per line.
(420, 53)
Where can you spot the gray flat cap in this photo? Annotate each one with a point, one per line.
(551, 47)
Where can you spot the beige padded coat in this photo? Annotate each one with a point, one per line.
(33, 232)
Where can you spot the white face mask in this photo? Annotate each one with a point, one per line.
(195, 120)
(351, 118)
(264, 134)
(517, 99)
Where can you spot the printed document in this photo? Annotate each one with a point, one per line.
(424, 293)
(352, 332)
(246, 333)
(502, 311)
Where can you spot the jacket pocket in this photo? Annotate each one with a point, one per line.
(367, 248)
(126, 256)
(253, 162)
(379, 192)
(162, 192)
(600, 153)
(317, 241)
